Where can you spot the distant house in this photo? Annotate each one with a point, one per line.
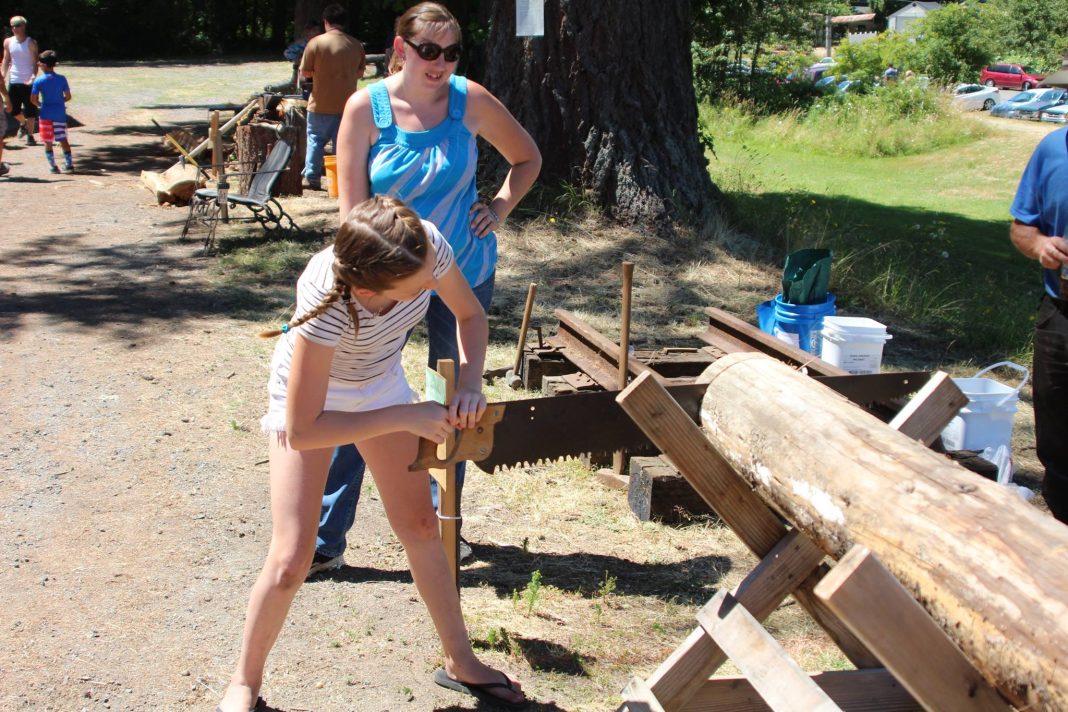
(900, 20)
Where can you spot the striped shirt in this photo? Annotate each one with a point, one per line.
(376, 349)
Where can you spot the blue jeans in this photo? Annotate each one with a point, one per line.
(322, 129)
(343, 483)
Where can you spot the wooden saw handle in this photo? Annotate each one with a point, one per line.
(471, 443)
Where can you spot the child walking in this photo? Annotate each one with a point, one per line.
(4, 168)
(336, 378)
(50, 93)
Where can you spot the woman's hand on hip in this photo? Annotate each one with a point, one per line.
(484, 219)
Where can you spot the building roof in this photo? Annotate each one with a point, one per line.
(927, 6)
(851, 19)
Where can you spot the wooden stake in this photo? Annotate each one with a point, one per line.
(218, 162)
(890, 622)
(624, 349)
(448, 492)
(513, 377)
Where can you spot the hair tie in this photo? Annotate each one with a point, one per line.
(285, 328)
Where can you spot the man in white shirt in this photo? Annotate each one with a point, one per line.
(19, 67)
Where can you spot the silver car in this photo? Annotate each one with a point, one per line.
(975, 97)
(1055, 114)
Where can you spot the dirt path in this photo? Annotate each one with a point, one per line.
(133, 503)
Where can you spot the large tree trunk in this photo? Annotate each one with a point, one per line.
(990, 569)
(608, 96)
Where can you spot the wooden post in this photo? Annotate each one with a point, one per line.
(512, 377)
(930, 410)
(448, 493)
(624, 349)
(218, 164)
(989, 568)
(872, 690)
(773, 673)
(890, 622)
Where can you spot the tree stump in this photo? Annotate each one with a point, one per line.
(255, 141)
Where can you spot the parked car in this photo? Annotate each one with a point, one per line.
(820, 68)
(1030, 110)
(1055, 114)
(828, 82)
(1012, 76)
(1007, 109)
(975, 97)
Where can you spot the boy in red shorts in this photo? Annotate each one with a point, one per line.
(50, 93)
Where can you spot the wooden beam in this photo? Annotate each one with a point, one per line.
(897, 629)
(766, 343)
(715, 479)
(226, 128)
(928, 413)
(448, 493)
(989, 568)
(873, 690)
(684, 672)
(773, 673)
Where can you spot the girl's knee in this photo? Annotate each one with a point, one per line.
(417, 529)
(289, 569)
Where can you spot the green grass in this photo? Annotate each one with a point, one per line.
(919, 240)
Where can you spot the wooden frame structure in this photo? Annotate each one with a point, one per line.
(904, 658)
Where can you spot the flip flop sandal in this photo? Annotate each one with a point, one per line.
(260, 703)
(481, 691)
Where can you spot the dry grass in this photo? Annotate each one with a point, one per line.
(617, 595)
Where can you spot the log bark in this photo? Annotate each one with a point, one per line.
(254, 142)
(608, 96)
(988, 567)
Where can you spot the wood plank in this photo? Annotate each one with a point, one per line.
(928, 413)
(768, 344)
(657, 491)
(642, 698)
(989, 568)
(895, 627)
(773, 673)
(448, 492)
(686, 446)
(873, 690)
(684, 672)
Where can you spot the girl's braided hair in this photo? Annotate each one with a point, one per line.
(381, 241)
(424, 17)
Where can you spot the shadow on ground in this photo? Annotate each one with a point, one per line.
(508, 568)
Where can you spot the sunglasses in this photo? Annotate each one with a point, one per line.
(429, 51)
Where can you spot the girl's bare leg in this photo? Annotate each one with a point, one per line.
(297, 481)
(406, 499)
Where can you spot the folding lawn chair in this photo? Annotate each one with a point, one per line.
(204, 206)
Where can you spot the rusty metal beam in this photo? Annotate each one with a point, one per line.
(593, 352)
(721, 321)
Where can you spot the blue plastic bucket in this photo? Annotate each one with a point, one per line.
(797, 324)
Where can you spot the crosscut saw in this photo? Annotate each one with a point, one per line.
(538, 430)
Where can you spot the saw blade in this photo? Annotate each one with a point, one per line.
(540, 430)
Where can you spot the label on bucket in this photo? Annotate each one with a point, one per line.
(813, 345)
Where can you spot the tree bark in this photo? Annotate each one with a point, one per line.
(254, 141)
(608, 96)
(989, 568)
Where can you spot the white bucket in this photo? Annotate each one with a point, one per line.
(854, 343)
(986, 422)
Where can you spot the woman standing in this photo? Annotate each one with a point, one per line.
(336, 377)
(413, 136)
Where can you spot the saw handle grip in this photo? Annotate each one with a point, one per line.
(427, 457)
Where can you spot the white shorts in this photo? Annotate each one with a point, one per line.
(389, 389)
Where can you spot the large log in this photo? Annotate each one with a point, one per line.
(255, 141)
(988, 567)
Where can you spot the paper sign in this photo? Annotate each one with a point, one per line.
(529, 18)
(435, 386)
